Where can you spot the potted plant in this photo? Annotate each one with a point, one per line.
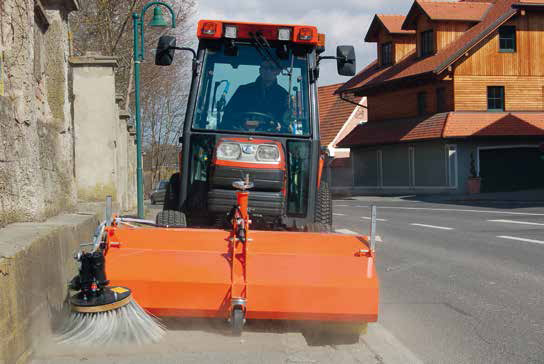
(474, 182)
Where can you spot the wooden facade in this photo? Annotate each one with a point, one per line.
(448, 32)
(403, 45)
(465, 84)
(403, 103)
(527, 60)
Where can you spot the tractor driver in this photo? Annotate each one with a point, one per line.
(264, 96)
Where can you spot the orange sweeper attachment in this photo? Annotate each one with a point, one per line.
(242, 274)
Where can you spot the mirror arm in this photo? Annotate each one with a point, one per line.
(331, 57)
(185, 49)
(195, 60)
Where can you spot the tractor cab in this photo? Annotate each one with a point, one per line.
(252, 111)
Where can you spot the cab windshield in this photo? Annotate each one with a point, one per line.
(252, 90)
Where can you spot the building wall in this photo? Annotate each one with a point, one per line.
(36, 144)
(438, 166)
(403, 103)
(102, 135)
(37, 135)
(425, 167)
(526, 61)
(403, 45)
(521, 93)
(448, 32)
(521, 72)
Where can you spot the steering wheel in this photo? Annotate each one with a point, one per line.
(265, 121)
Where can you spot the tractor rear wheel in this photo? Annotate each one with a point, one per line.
(323, 206)
(171, 218)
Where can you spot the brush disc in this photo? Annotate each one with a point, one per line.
(111, 299)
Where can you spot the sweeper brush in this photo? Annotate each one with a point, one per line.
(242, 274)
(102, 314)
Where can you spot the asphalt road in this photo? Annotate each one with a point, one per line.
(459, 283)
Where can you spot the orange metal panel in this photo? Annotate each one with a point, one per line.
(299, 276)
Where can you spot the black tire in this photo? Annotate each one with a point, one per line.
(237, 321)
(323, 206)
(171, 218)
(171, 196)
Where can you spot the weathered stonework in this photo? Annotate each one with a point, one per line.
(36, 144)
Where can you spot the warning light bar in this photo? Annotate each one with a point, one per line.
(214, 29)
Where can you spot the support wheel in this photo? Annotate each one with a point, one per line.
(171, 218)
(237, 318)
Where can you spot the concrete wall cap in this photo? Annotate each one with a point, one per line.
(93, 59)
(69, 5)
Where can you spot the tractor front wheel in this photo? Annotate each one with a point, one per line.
(323, 206)
(171, 218)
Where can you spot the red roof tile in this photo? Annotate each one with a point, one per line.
(394, 131)
(391, 23)
(446, 125)
(456, 11)
(412, 66)
(494, 124)
(333, 113)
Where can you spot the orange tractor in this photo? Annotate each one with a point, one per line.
(253, 111)
(252, 164)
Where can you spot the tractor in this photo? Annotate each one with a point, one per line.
(252, 113)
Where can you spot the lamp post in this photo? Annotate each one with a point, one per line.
(139, 50)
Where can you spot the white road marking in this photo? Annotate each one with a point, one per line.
(458, 210)
(341, 205)
(351, 232)
(521, 239)
(347, 232)
(433, 226)
(517, 222)
(368, 218)
(335, 214)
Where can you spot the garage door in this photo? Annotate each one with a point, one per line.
(511, 169)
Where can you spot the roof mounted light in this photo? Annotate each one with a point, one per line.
(284, 34)
(231, 31)
(209, 28)
(305, 34)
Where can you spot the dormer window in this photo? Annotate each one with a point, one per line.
(427, 43)
(387, 54)
(507, 38)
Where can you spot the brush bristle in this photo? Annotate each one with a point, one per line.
(124, 325)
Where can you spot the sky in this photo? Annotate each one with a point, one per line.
(344, 22)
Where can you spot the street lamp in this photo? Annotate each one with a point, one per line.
(139, 50)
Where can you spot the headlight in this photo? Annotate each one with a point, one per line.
(230, 151)
(268, 153)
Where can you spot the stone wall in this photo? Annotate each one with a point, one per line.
(39, 159)
(102, 133)
(36, 144)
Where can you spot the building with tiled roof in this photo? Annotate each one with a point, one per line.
(455, 98)
(337, 118)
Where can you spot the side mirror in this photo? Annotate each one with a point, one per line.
(345, 60)
(165, 50)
